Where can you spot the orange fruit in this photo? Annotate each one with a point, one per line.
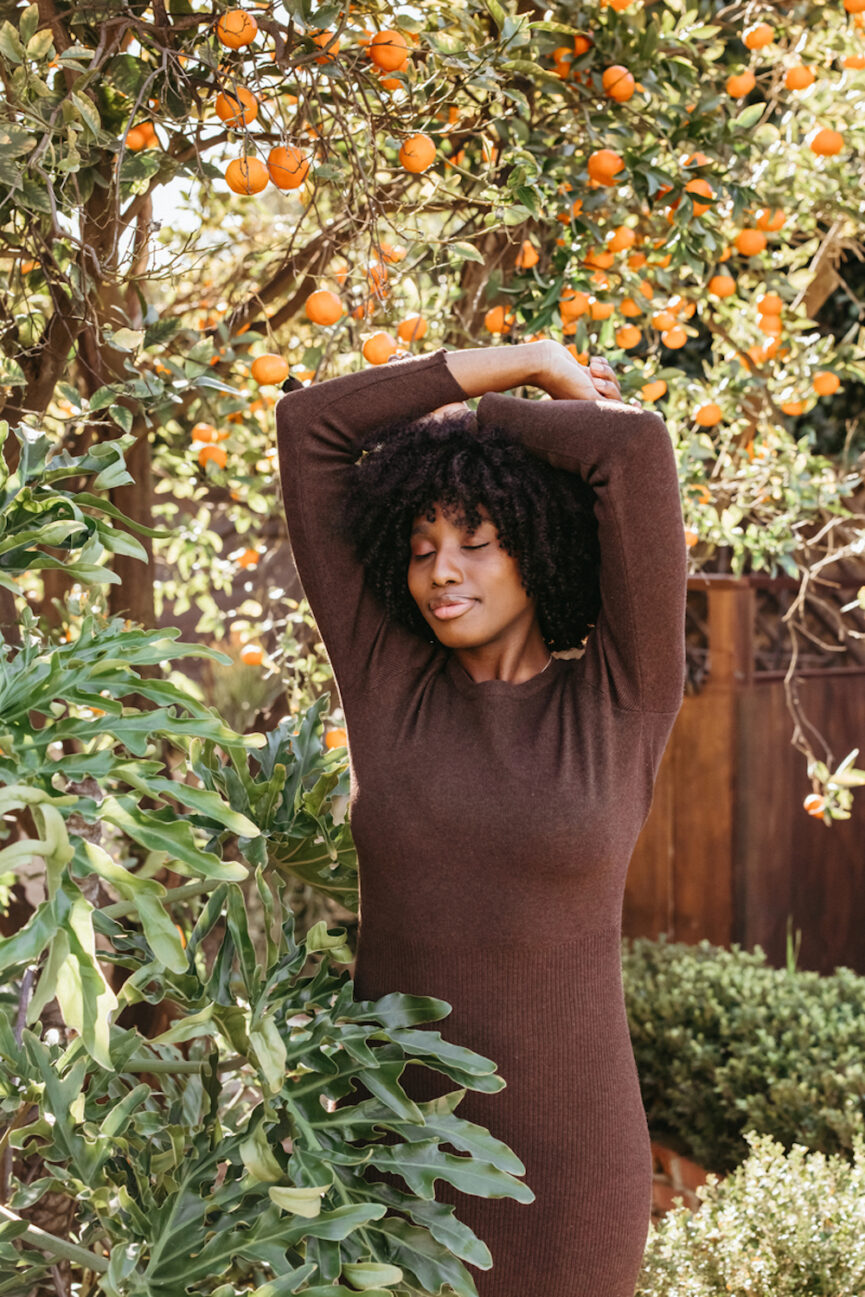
(236, 107)
(388, 50)
(573, 304)
(249, 558)
(646, 290)
(269, 368)
(700, 186)
(655, 390)
(417, 152)
(793, 407)
(379, 348)
(336, 739)
(758, 35)
(769, 323)
(769, 219)
(136, 139)
(854, 6)
(322, 38)
(203, 432)
(246, 176)
(595, 260)
(814, 804)
(770, 304)
(618, 83)
(675, 337)
(721, 286)
(697, 159)
(636, 260)
(497, 320)
(826, 142)
(527, 256)
(825, 382)
(854, 61)
(708, 415)
(251, 655)
(604, 165)
(412, 328)
(287, 166)
(628, 336)
(582, 45)
(581, 357)
(323, 307)
(741, 84)
(750, 242)
(662, 320)
(217, 453)
(600, 310)
(623, 237)
(799, 77)
(236, 28)
(629, 307)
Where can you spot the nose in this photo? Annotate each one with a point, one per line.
(446, 566)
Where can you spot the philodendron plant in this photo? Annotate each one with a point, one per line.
(234, 1148)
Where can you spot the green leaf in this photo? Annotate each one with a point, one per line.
(10, 44)
(421, 1164)
(496, 12)
(176, 838)
(465, 252)
(88, 112)
(41, 46)
(748, 117)
(120, 414)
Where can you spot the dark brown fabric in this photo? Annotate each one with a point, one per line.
(495, 822)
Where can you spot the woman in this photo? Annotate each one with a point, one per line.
(497, 790)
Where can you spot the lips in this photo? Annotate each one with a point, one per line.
(448, 609)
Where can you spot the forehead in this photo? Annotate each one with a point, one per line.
(421, 522)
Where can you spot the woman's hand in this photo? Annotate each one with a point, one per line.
(565, 379)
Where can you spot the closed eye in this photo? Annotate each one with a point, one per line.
(431, 552)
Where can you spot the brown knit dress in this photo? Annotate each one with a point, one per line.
(494, 822)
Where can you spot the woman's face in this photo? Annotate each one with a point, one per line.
(470, 577)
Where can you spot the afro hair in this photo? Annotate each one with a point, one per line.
(544, 516)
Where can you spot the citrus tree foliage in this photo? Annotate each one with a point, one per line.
(668, 182)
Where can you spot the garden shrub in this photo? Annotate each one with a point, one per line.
(783, 1224)
(725, 1043)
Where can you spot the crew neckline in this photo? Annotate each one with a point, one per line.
(506, 688)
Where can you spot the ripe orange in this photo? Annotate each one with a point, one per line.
(323, 307)
(741, 84)
(203, 432)
(700, 186)
(618, 83)
(246, 176)
(322, 38)
(662, 320)
(604, 165)
(269, 368)
(793, 407)
(854, 6)
(251, 655)
(595, 260)
(217, 453)
(708, 415)
(600, 310)
(581, 357)
(629, 307)
(287, 166)
(825, 382)
(527, 256)
(412, 328)
(388, 50)
(236, 107)
(854, 61)
(573, 304)
(750, 242)
(675, 337)
(236, 29)
(336, 739)
(655, 390)
(249, 558)
(623, 237)
(721, 286)
(799, 77)
(769, 323)
(136, 139)
(767, 219)
(497, 320)
(826, 142)
(814, 804)
(417, 152)
(628, 336)
(758, 35)
(582, 45)
(770, 304)
(379, 348)
(636, 260)
(697, 159)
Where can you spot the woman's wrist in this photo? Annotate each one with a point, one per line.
(496, 369)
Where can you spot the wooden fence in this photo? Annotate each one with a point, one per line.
(728, 852)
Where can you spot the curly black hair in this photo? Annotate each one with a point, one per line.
(544, 516)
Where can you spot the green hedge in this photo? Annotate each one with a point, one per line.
(725, 1043)
(781, 1225)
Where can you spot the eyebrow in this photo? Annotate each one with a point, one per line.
(423, 527)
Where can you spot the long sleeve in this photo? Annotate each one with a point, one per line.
(318, 431)
(635, 654)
